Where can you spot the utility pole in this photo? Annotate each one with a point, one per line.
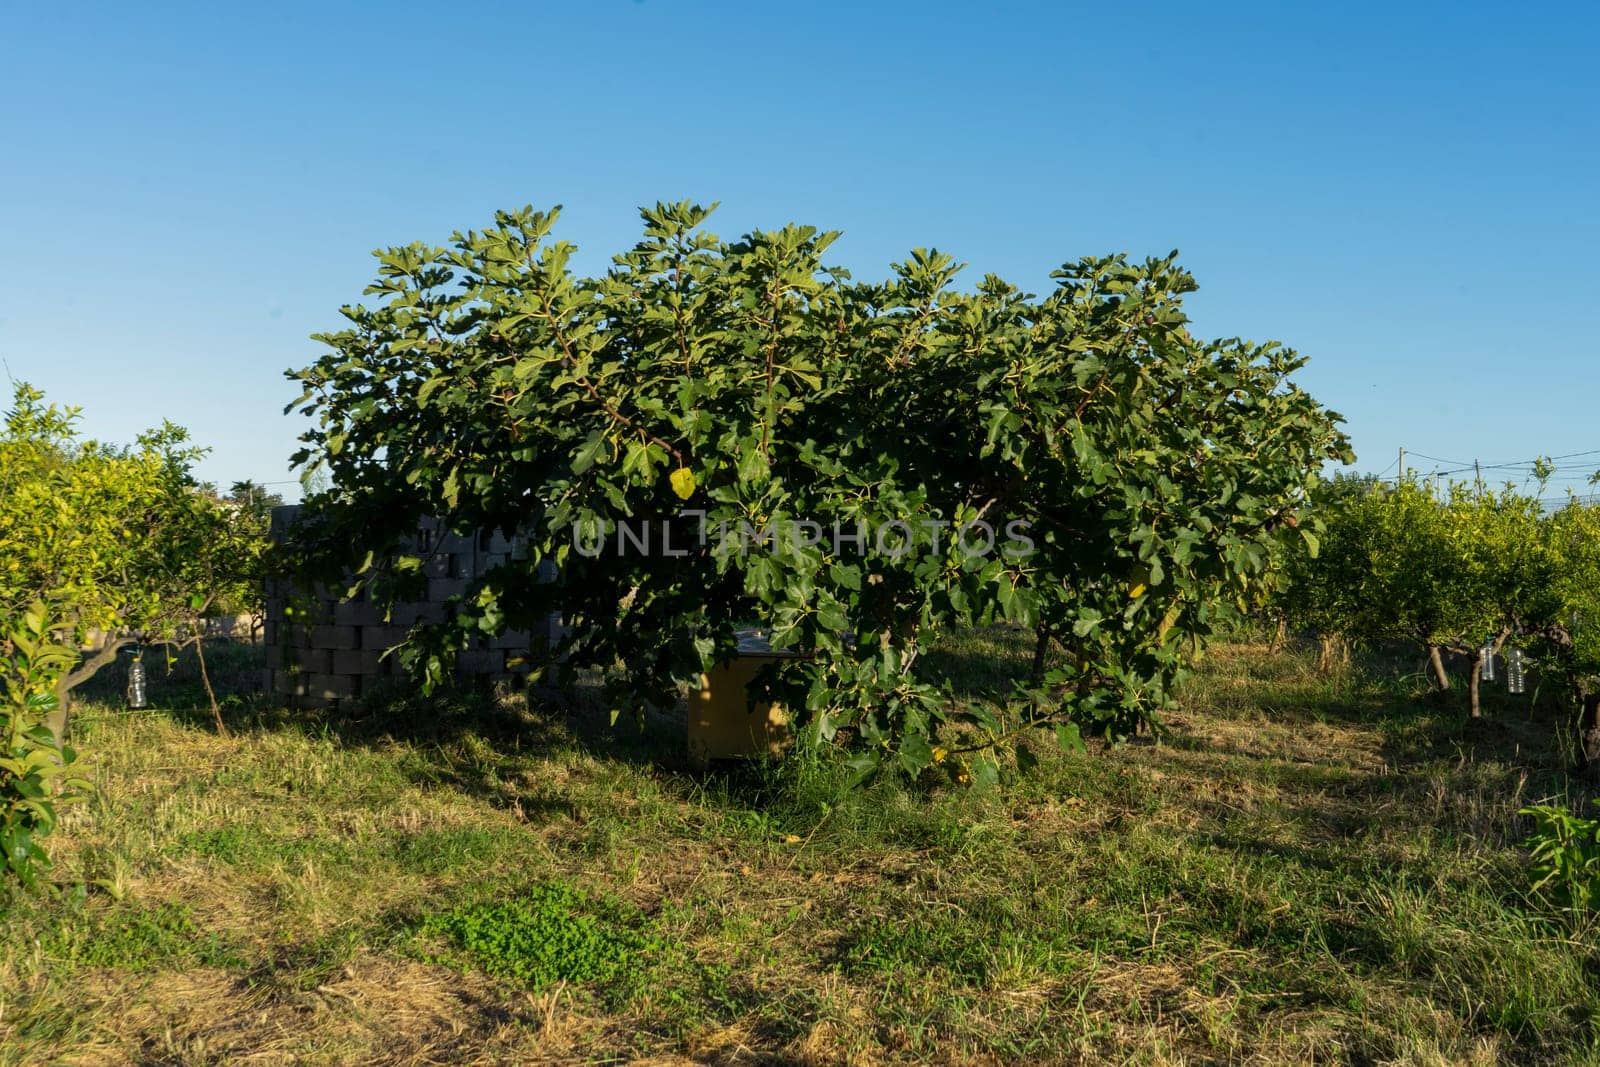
(1400, 475)
(1477, 466)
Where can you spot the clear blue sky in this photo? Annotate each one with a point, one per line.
(1407, 195)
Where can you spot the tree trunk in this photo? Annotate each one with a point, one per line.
(205, 680)
(56, 721)
(1589, 737)
(1436, 662)
(1280, 637)
(1041, 648)
(1474, 675)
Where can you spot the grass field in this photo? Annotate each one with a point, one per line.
(1308, 869)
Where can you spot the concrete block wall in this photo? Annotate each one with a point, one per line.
(337, 653)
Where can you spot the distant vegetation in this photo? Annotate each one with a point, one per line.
(1468, 571)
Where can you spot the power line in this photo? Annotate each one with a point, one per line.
(1569, 455)
(1451, 467)
(1436, 459)
(1525, 464)
(1530, 462)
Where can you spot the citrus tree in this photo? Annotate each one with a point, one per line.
(119, 538)
(1457, 569)
(852, 465)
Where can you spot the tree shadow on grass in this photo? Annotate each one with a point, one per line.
(987, 662)
(1429, 774)
(1384, 688)
(475, 740)
(481, 741)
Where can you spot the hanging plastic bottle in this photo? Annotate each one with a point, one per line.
(1514, 681)
(136, 693)
(1486, 664)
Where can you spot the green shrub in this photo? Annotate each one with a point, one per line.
(1566, 857)
(35, 772)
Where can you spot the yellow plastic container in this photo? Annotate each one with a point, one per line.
(723, 721)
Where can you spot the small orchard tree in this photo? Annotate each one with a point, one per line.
(215, 563)
(121, 539)
(845, 444)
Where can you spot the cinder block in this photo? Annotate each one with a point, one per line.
(449, 541)
(286, 683)
(426, 536)
(442, 589)
(359, 662)
(513, 639)
(483, 661)
(293, 635)
(405, 614)
(332, 686)
(307, 660)
(306, 613)
(335, 638)
(382, 637)
(357, 613)
(408, 615)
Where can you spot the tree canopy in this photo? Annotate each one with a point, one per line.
(1133, 477)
